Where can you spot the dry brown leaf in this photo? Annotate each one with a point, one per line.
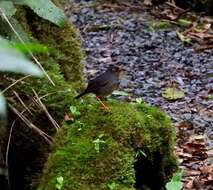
(207, 170)
(68, 117)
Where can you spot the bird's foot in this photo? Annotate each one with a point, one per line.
(103, 105)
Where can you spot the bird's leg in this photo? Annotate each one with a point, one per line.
(101, 102)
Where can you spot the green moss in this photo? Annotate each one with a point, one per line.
(62, 63)
(117, 135)
(64, 43)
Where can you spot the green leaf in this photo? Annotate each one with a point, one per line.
(2, 105)
(120, 93)
(25, 48)
(175, 183)
(13, 61)
(139, 100)
(8, 8)
(45, 9)
(184, 22)
(74, 111)
(173, 93)
(60, 179)
(112, 186)
(59, 182)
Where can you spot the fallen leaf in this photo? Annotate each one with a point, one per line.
(182, 37)
(173, 93)
(120, 93)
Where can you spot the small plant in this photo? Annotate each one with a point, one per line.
(112, 186)
(59, 182)
(74, 111)
(80, 125)
(139, 100)
(97, 142)
(175, 183)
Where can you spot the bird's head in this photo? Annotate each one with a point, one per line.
(117, 69)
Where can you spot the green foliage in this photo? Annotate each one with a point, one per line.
(25, 48)
(112, 186)
(74, 111)
(45, 9)
(175, 183)
(13, 61)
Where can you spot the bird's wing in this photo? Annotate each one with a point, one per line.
(93, 85)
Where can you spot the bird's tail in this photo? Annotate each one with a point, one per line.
(83, 93)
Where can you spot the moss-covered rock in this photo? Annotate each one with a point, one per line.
(100, 150)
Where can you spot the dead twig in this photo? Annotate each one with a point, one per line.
(39, 102)
(46, 137)
(22, 102)
(17, 81)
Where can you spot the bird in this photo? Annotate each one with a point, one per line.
(104, 84)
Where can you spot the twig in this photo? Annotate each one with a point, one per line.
(203, 47)
(172, 4)
(8, 143)
(23, 104)
(19, 80)
(22, 41)
(46, 137)
(48, 94)
(39, 102)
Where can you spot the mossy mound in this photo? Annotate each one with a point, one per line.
(100, 149)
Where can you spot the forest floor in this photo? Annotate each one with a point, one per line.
(164, 69)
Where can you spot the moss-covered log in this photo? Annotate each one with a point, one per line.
(100, 150)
